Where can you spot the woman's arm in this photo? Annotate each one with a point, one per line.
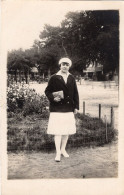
(49, 90)
(76, 96)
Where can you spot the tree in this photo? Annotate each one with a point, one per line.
(17, 62)
(108, 39)
(85, 37)
(93, 36)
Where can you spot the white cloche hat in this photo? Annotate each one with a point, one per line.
(67, 60)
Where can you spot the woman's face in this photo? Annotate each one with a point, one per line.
(64, 67)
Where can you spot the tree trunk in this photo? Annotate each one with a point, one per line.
(43, 77)
(27, 77)
(49, 73)
(20, 78)
(16, 76)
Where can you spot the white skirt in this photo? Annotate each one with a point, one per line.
(61, 123)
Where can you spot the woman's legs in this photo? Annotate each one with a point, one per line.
(58, 139)
(63, 146)
(60, 142)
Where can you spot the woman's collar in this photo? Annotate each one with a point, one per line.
(59, 73)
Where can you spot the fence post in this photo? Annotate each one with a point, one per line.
(112, 117)
(106, 129)
(99, 111)
(104, 84)
(84, 108)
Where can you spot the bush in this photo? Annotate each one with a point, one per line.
(21, 99)
(37, 104)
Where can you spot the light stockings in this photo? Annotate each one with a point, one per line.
(64, 143)
(58, 139)
(60, 144)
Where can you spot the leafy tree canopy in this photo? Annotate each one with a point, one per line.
(85, 37)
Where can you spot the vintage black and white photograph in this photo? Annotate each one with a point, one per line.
(62, 94)
(62, 91)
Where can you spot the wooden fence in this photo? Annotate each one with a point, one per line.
(99, 113)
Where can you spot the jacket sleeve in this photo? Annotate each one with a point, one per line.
(76, 96)
(49, 90)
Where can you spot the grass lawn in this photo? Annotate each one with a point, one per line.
(30, 133)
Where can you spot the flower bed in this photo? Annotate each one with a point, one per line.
(22, 99)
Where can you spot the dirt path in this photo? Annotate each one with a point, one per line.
(98, 162)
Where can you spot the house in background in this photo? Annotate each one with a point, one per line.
(34, 73)
(94, 72)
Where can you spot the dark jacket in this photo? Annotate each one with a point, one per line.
(71, 97)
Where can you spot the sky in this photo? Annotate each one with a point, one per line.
(23, 21)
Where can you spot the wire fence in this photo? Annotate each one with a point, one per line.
(36, 144)
(90, 132)
(109, 117)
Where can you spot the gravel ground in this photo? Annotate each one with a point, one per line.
(98, 162)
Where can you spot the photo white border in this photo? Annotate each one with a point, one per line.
(107, 186)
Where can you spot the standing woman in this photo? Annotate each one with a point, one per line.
(63, 105)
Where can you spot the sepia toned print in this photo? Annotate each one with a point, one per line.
(62, 93)
(94, 52)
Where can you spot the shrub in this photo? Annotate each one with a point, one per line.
(25, 100)
(37, 104)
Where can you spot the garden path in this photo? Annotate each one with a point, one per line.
(97, 162)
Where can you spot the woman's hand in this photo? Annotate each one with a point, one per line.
(75, 111)
(57, 99)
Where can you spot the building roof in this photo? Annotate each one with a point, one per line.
(94, 68)
(34, 69)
